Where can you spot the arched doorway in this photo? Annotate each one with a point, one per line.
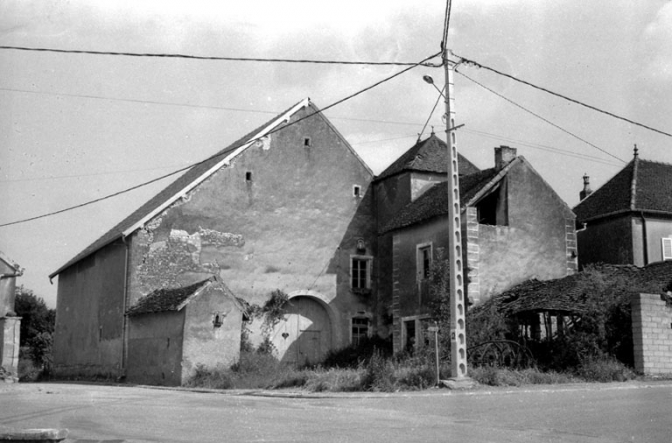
(304, 335)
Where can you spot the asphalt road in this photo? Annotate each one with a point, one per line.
(623, 412)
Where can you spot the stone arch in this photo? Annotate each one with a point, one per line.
(308, 330)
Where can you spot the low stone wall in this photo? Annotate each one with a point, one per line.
(652, 333)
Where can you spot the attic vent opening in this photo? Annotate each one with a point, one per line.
(217, 321)
(491, 209)
(307, 142)
(356, 191)
(248, 176)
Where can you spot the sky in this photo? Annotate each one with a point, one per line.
(77, 127)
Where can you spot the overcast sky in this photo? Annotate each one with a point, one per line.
(77, 127)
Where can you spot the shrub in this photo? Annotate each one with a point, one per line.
(379, 374)
(604, 369)
(335, 380)
(496, 376)
(355, 355)
(212, 378)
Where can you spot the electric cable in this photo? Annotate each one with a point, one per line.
(539, 116)
(226, 151)
(432, 112)
(199, 57)
(548, 91)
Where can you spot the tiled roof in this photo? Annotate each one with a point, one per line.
(434, 202)
(429, 155)
(642, 185)
(165, 299)
(568, 293)
(175, 187)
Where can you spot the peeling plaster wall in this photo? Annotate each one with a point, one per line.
(207, 345)
(281, 216)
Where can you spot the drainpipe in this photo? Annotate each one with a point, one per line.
(124, 329)
(645, 246)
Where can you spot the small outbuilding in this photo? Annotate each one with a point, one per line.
(172, 331)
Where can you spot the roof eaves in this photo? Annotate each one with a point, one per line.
(226, 161)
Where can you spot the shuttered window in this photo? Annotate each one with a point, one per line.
(667, 249)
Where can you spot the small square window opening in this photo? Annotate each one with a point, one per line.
(248, 176)
(356, 191)
(307, 143)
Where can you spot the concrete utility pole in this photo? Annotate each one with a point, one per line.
(458, 331)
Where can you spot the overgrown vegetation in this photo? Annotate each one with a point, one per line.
(37, 328)
(596, 346)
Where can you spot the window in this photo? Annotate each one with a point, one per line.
(248, 176)
(356, 191)
(424, 260)
(360, 272)
(667, 248)
(491, 209)
(360, 329)
(307, 143)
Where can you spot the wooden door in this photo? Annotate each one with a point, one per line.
(304, 334)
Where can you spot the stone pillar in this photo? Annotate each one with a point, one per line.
(10, 329)
(652, 333)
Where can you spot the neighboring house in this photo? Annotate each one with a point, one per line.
(629, 219)
(514, 227)
(404, 181)
(172, 331)
(10, 324)
(286, 207)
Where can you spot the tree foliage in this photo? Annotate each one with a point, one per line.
(37, 326)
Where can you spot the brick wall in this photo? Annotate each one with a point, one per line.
(571, 246)
(652, 334)
(396, 293)
(474, 288)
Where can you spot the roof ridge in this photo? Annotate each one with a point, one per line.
(633, 183)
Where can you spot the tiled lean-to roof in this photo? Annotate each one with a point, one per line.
(174, 299)
(166, 299)
(642, 185)
(429, 155)
(568, 294)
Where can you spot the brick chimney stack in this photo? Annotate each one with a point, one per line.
(586, 187)
(504, 155)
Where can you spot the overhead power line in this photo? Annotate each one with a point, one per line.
(540, 117)
(361, 91)
(200, 57)
(548, 91)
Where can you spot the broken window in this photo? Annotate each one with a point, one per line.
(360, 272)
(491, 209)
(424, 260)
(360, 329)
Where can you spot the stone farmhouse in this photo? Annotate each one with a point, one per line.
(629, 219)
(515, 227)
(292, 207)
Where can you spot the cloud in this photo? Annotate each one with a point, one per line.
(657, 46)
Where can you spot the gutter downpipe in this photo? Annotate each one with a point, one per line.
(645, 245)
(124, 338)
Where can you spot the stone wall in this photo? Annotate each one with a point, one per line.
(652, 333)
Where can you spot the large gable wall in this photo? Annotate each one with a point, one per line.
(291, 226)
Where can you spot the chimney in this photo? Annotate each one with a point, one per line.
(504, 155)
(586, 187)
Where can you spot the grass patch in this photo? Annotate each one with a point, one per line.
(494, 376)
(604, 369)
